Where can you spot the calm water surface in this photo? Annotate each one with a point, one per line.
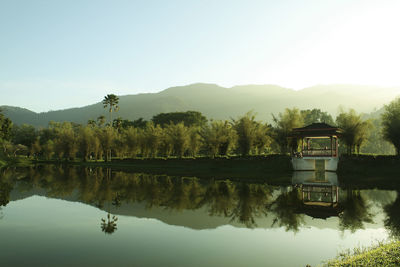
(98, 217)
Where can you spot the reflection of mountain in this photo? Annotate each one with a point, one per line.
(189, 202)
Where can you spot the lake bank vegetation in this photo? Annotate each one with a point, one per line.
(387, 254)
(191, 135)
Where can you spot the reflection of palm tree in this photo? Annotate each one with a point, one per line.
(109, 226)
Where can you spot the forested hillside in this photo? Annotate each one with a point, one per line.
(218, 102)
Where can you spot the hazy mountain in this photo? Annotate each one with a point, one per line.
(222, 103)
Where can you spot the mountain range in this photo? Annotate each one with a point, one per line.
(218, 102)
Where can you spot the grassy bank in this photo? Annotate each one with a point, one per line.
(381, 255)
(271, 167)
(369, 170)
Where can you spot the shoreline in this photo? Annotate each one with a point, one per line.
(357, 171)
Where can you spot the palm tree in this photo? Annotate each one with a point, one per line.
(111, 101)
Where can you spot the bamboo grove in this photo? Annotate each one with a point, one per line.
(102, 142)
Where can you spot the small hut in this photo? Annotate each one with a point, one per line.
(319, 144)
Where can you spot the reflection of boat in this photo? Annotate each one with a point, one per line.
(319, 193)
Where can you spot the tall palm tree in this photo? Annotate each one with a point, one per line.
(111, 101)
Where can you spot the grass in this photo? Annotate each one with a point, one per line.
(380, 255)
(369, 164)
(365, 170)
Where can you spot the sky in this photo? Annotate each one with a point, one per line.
(58, 54)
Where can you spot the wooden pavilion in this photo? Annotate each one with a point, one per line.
(306, 158)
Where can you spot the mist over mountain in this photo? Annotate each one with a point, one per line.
(218, 102)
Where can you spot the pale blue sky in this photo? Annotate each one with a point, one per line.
(59, 54)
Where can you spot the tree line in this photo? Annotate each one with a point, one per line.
(190, 134)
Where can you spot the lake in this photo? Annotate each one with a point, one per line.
(64, 216)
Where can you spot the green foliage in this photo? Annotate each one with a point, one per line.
(391, 124)
(25, 135)
(284, 124)
(6, 126)
(11, 150)
(189, 118)
(88, 141)
(194, 141)
(316, 115)
(101, 120)
(190, 135)
(376, 144)
(151, 140)
(107, 138)
(218, 138)
(66, 143)
(132, 139)
(179, 137)
(120, 123)
(253, 136)
(355, 130)
(48, 149)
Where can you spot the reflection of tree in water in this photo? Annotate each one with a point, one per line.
(116, 202)
(184, 194)
(242, 203)
(220, 197)
(5, 189)
(285, 207)
(109, 225)
(392, 221)
(252, 202)
(355, 212)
